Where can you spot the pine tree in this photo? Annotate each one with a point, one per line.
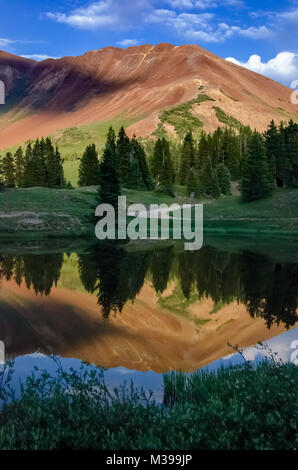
(109, 188)
(292, 152)
(165, 184)
(28, 168)
(224, 179)
(89, 167)
(61, 181)
(276, 154)
(203, 152)
(19, 160)
(144, 178)
(290, 133)
(256, 180)
(39, 176)
(209, 180)
(156, 160)
(1, 177)
(50, 160)
(230, 153)
(135, 177)
(123, 156)
(187, 158)
(8, 170)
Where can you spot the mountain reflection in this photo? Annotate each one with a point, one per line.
(116, 275)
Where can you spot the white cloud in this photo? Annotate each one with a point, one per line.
(262, 32)
(290, 15)
(282, 68)
(202, 4)
(104, 14)
(203, 26)
(38, 57)
(190, 25)
(128, 42)
(5, 42)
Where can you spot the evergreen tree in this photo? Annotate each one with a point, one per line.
(161, 153)
(28, 180)
(109, 185)
(123, 157)
(224, 179)
(145, 180)
(203, 152)
(292, 178)
(230, 153)
(166, 173)
(290, 133)
(61, 182)
(19, 160)
(209, 180)
(187, 158)
(8, 171)
(89, 167)
(51, 167)
(256, 180)
(38, 165)
(156, 160)
(276, 154)
(1, 177)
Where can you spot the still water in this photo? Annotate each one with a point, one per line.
(142, 310)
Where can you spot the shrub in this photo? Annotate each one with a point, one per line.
(236, 408)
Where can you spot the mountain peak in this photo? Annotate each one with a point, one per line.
(138, 83)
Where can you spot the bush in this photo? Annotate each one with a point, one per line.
(236, 408)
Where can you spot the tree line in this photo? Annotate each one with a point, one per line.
(40, 165)
(258, 162)
(123, 164)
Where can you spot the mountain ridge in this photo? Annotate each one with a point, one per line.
(139, 82)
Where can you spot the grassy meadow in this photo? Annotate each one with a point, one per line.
(64, 212)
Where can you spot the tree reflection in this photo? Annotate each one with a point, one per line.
(116, 274)
(40, 271)
(267, 289)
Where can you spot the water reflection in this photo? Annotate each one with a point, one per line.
(41, 272)
(116, 274)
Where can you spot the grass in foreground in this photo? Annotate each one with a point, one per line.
(237, 408)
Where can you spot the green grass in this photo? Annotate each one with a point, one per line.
(71, 171)
(62, 212)
(73, 141)
(225, 119)
(241, 408)
(181, 118)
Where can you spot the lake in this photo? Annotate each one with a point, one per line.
(140, 310)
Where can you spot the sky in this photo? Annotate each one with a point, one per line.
(261, 36)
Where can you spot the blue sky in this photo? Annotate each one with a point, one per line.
(260, 35)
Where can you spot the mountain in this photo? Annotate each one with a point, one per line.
(143, 337)
(160, 87)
